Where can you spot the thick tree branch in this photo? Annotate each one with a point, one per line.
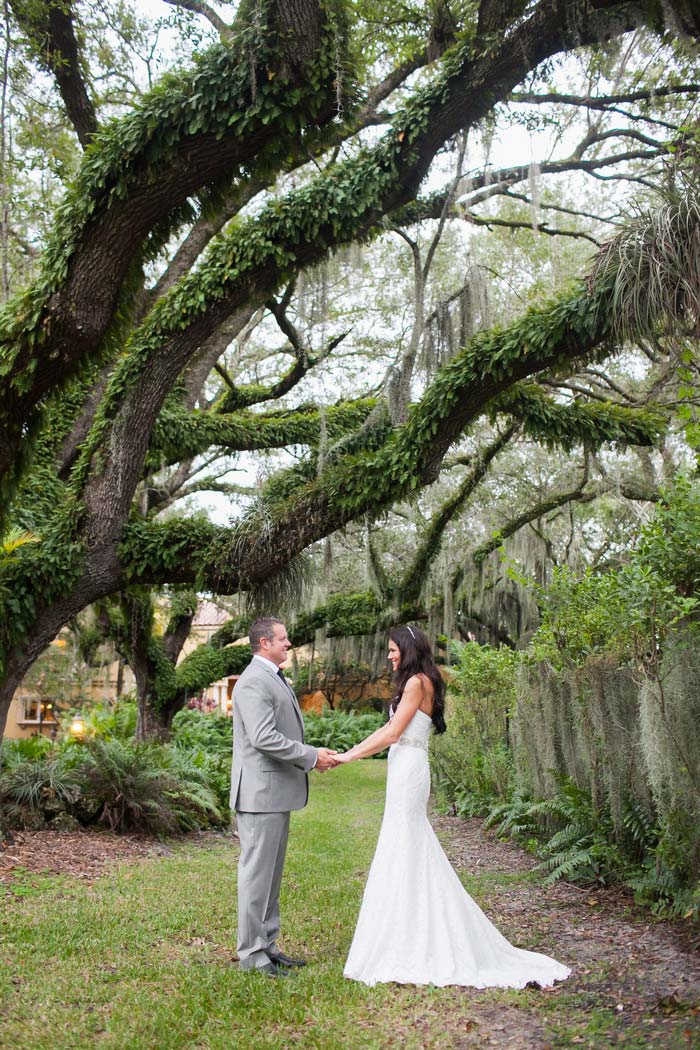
(569, 424)
(472, 383)
(179, 434)
(210, 125)
(302, 226)
(207, 226)
(51, 30)
(179, 625)
(342, 616)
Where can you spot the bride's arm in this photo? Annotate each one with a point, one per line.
(388, 734)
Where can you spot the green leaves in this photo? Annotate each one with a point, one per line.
(343, 616)
(341, 730)
(632, 610)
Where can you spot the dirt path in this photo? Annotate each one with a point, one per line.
(636, 980)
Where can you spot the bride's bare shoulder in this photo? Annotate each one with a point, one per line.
(421, 684)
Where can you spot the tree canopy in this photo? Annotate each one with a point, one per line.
(203, 203)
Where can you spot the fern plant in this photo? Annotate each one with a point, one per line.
(147, 787)
(187, 784)
(573, 838)
(515, 820)
(341, 730)
(199, 731)
(641, 830)
(666, 891)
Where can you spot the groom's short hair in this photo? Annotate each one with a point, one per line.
(262, 628)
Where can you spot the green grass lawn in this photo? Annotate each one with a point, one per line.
(141, 958)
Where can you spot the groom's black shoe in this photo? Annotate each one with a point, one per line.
(280, 959)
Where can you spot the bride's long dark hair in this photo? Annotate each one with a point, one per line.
(417, 658)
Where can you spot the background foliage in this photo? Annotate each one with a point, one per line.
(602, 776)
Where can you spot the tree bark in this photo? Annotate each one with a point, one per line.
(77, 315)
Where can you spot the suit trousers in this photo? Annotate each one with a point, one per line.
(263, 839)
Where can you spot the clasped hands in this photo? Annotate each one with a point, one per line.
(329, 759)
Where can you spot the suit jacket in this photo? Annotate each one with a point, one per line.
(270, 758)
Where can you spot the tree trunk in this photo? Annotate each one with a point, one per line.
(154, 721)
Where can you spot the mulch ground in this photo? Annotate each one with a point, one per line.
(83, 854)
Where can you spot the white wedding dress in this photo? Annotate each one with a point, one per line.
(417, 924)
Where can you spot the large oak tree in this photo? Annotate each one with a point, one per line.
(102, 373)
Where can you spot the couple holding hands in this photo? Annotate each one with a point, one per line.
(417, 923)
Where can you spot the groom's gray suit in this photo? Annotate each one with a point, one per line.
(268, 779)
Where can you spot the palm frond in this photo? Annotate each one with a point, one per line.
(15, 538)
(653, 266)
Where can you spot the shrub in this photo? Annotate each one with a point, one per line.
(608, 710)
(147, 787)
(208, 740)
(190, 785)
(107, 720)
(36, 788)
(572, 837)
(200, 731)
(472, 762)
(12, 752)
(341, 730)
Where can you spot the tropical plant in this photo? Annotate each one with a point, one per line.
(572, 838)
(198, 731)
(15, 538)
(107, 720)
(13, 752)
(341, 730)
(146, 787)
(38, 787)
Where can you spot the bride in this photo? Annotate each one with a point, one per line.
(417, 923)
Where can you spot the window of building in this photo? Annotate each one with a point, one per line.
(38, 710)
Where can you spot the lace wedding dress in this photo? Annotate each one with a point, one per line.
(417, 924)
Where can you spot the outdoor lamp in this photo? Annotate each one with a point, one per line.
(77, 726)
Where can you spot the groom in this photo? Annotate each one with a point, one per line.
(268, 779)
